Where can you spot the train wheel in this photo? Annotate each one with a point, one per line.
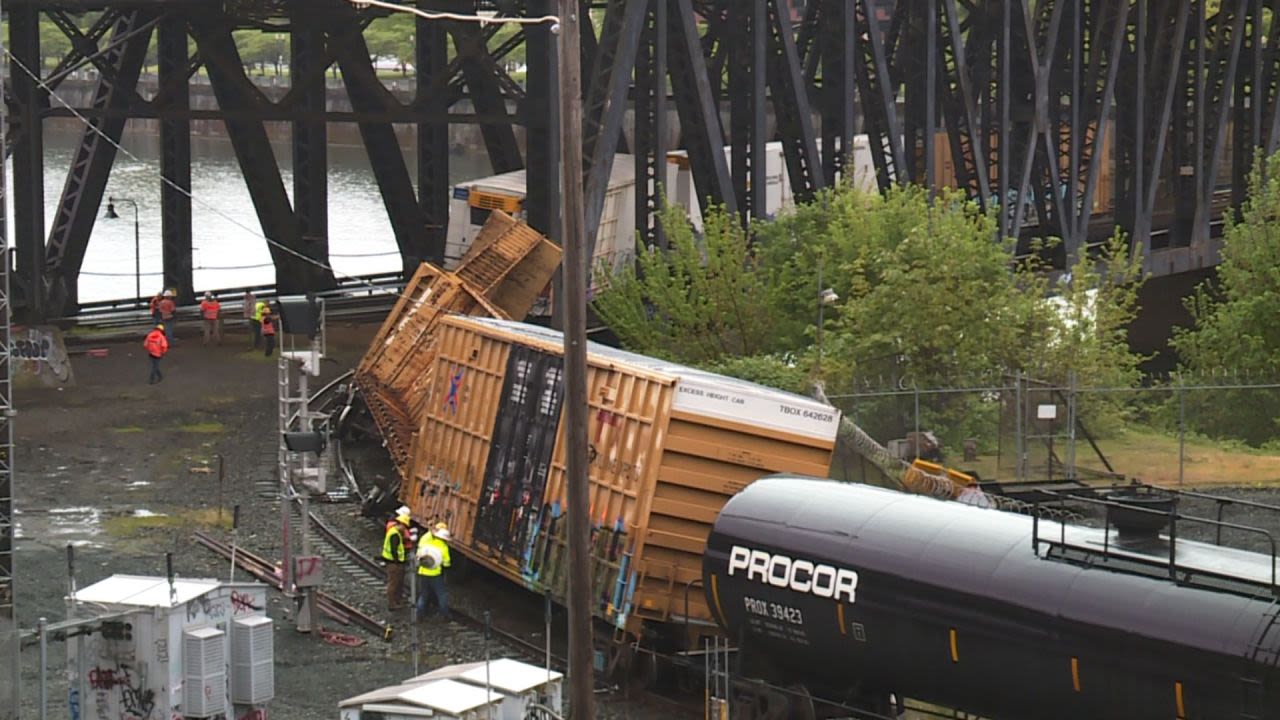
(800, 703)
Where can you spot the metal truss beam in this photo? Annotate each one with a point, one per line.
(368, 94)
(431, 61)
(603, 112)
(25, 137)
(175, 160)
(310, 136)
(91, 164)
(486, 95)
(695, 104)
(651, 126)
(540, 113)
(299, 267)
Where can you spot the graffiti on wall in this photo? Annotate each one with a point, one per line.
(118, 685)
(39, 355)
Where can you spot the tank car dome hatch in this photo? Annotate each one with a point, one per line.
(1141, 511)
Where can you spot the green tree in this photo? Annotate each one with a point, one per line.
(1235, 328)
(926, 297)
(392, 38)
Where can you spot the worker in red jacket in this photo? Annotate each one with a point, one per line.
(269, 330)
(211, 318)
(157, 345)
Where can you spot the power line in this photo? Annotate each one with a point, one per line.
(481, 20)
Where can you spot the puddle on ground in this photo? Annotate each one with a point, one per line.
(145, 513)
(138, 483)
(78, 526)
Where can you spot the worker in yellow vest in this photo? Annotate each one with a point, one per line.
(397, 546)
(433, 558)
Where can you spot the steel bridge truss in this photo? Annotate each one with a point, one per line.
(1065, 117)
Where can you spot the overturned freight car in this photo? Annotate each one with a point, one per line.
(502, 275)
(669, 446)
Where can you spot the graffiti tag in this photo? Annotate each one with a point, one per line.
(204, 605)
(108, 678)
(242, 603)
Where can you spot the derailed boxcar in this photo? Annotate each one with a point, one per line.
(502, 275)
(669, 446)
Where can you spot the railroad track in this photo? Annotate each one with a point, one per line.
(265, 571)
(350, 556)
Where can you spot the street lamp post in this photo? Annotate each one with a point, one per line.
(137, 253)
(826, 296)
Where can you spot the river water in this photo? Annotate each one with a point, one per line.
(228, 247)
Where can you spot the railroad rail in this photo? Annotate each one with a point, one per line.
(265, 571)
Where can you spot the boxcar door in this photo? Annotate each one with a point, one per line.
(524, 436)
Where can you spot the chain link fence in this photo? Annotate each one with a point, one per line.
(1173, 431)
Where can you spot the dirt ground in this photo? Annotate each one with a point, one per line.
(125, 471)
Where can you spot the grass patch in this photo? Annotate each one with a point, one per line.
(1152, 456)
(208, 426)
(127, 526)
(128, 429)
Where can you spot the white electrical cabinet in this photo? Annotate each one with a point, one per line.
(523, 686)
(204, 672)
(441, 699)
(253, 678)
(161, 649)
(514, 688)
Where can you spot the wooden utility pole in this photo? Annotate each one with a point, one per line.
(574, 297)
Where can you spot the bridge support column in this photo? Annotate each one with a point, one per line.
(431, 61)
(175, 159)
(310, 132)
(27, 140)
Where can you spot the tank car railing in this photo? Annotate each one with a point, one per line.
(1221, 502)
(1173, 518)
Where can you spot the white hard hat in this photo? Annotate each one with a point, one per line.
(403, 510)
(430, 557)
(442, 533)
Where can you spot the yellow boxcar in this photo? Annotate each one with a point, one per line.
(502, 275)
(669, 446)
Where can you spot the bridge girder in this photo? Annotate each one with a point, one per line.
(1065, 116)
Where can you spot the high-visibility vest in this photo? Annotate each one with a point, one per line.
(393, 543)
(258, 309)
(167, 308)
(209, 309)
(268, 325)
(156, 344)
(431, 547)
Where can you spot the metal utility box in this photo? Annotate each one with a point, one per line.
(522, 685)
(170, 651)
(669, 445)
(442, 699)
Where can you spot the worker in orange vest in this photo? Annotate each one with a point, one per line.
(168, 313)
(397, 548)
(269, 330)
(210, 315)
(157, 345)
